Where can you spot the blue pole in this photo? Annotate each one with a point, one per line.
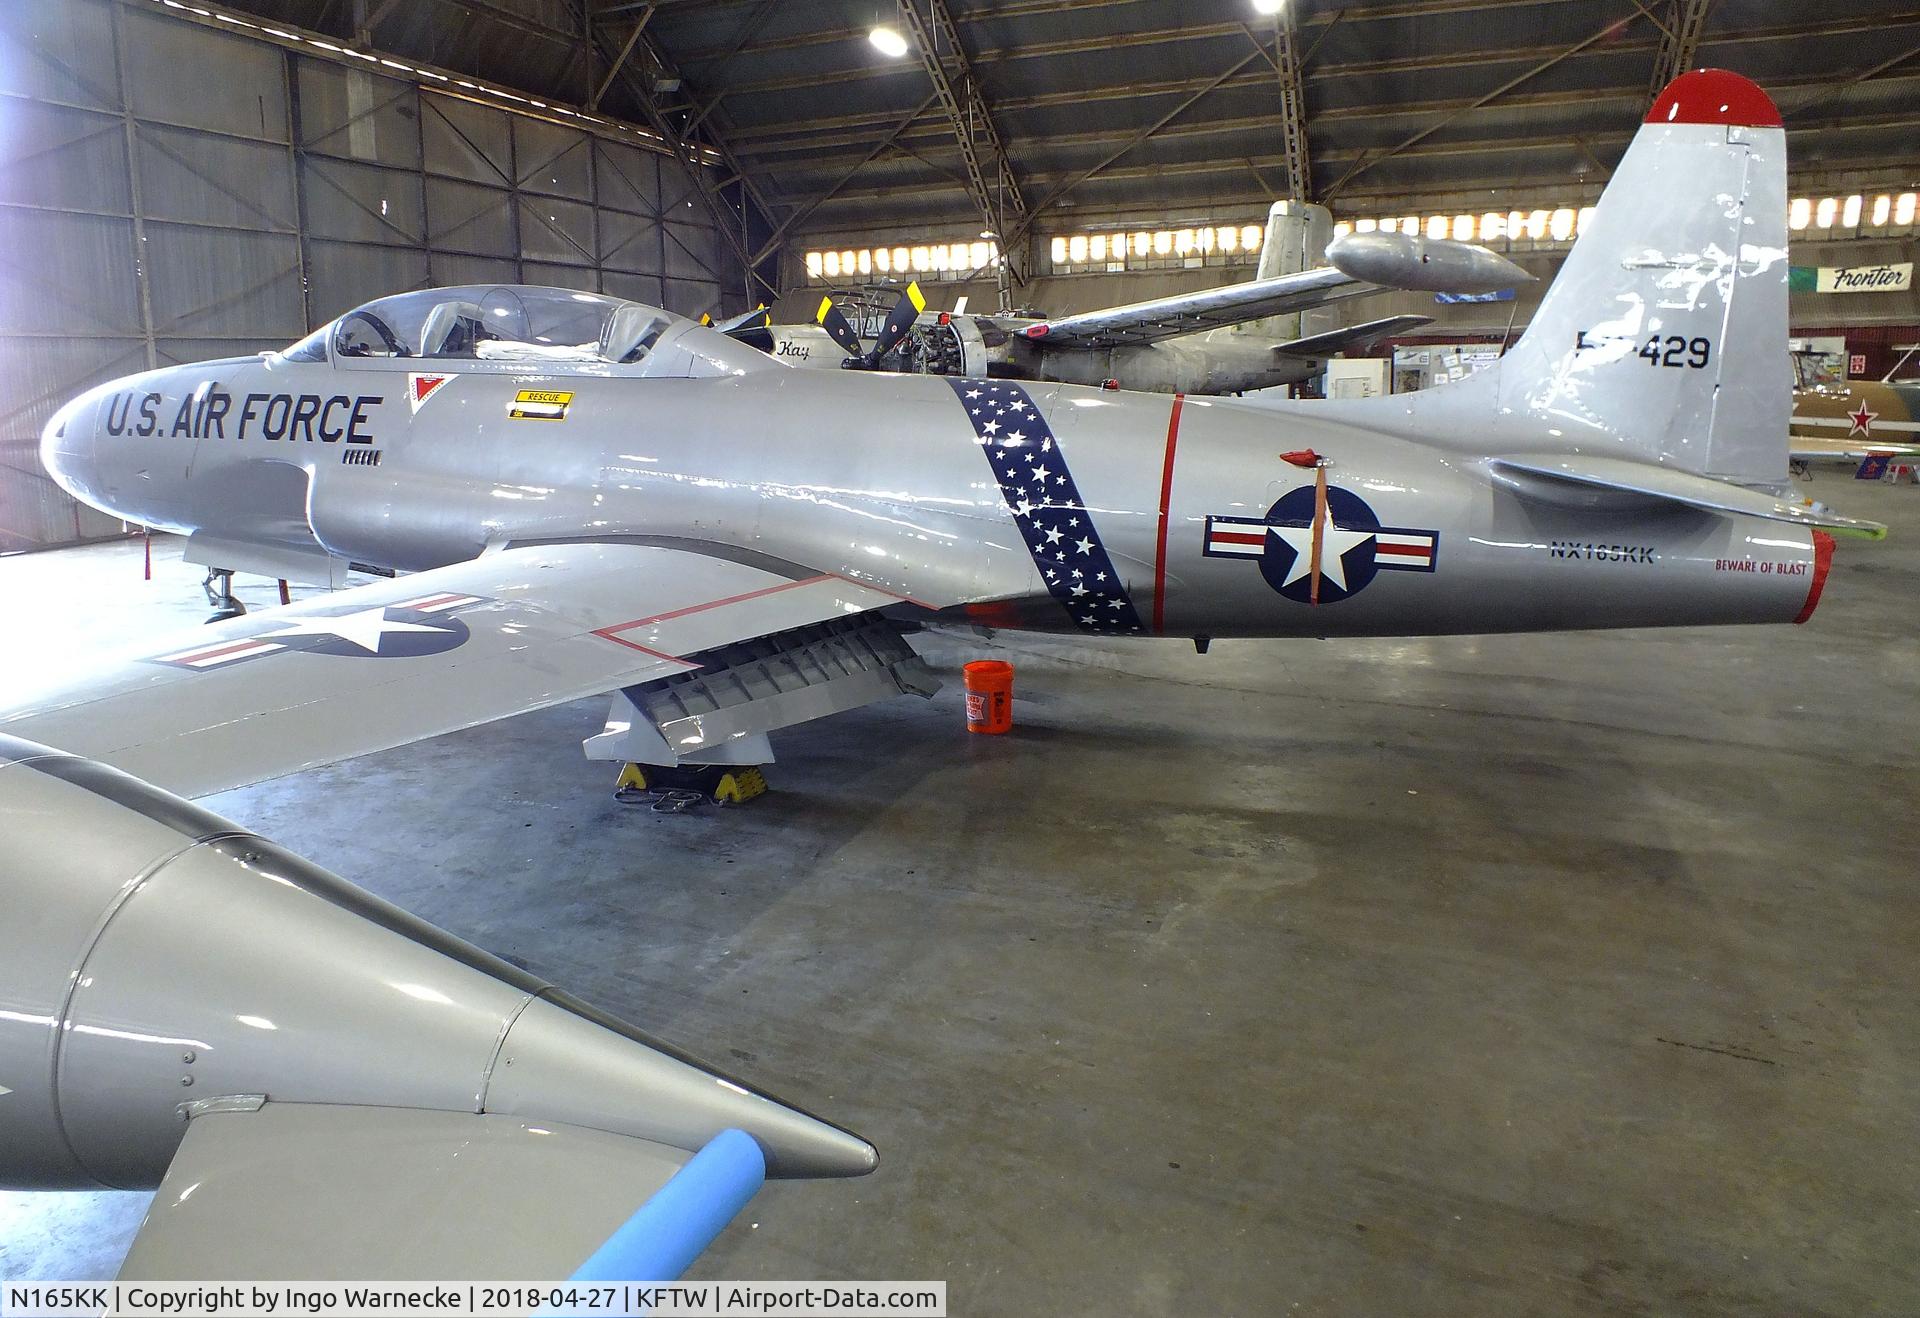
(669, 1231)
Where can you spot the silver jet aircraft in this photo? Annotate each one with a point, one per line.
(1250, 335)
(584, 495)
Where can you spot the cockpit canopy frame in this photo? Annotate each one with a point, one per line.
(522, 329)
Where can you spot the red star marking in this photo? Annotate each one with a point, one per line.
(1862, 421)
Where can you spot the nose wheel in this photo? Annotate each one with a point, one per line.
(219, 588)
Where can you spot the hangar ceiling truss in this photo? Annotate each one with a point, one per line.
(990, 178)
(1048, 115)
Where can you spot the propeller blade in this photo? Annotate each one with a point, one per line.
(758, 318)
(828, 317)
(899, 323)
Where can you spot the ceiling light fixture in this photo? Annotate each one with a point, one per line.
(1268, 6)
(888, 42)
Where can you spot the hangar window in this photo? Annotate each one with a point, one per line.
(1240, 244)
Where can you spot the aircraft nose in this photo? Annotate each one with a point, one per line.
(66, 445)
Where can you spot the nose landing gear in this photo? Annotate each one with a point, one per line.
(219, 588)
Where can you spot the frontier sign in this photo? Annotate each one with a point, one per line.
(1893, 277)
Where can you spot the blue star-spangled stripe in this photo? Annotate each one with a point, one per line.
(1038, 488)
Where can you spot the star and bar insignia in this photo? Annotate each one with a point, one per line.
(393, 631)
(1320, 544)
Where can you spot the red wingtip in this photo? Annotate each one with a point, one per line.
(1714, 96)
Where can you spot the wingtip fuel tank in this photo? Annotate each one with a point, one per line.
(155, 958)
(1424, 265)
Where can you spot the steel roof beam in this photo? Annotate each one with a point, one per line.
(685, 151)
(1680, 30)
(1367, 162)
(1489, 146)
(807, 208)
(1293, 105)
(981, 150)
(1007, 9)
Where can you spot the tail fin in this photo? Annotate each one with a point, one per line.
(1664, 336)
(1297, 238)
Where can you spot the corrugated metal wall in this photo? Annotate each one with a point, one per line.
(169, 193)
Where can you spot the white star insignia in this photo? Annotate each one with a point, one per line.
(991, 427)
(973, 393)
(363, 628)
(1335, 541)
(1079, 590)
(1083, 544)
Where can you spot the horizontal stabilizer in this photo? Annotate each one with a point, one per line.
(1352, 336)
(1615, 482)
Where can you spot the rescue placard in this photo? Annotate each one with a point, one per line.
(540, 405)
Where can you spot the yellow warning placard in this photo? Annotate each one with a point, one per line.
(540, 405)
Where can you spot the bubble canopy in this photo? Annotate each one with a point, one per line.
(515, 328)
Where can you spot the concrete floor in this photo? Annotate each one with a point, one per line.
(1520, 975)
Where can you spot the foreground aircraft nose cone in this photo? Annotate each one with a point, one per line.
(1424, 265)
(175, 958)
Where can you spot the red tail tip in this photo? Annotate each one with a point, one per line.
(1822, 562)
(1714, 96)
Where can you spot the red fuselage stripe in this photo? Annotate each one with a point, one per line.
(1166, 504)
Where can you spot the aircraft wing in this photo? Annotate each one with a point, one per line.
(309, 1191)
(1806, 448)
(382, 665)
(1208, 308)
(1352, 336)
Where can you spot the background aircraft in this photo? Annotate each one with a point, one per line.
(1243, 336)
(1853, 420)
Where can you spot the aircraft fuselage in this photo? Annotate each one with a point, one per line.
(1036, 506)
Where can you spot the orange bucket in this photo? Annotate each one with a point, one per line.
(989, 696)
